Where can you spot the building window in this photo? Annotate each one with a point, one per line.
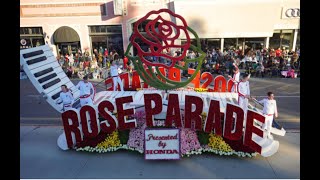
(142, 26)
(31, 37)
(114, 29)
(254, 43)
(230, 43)
(281, 39)
(109, 36)
(213, 43)
(103, 8)
(298, 40)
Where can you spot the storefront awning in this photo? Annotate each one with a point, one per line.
(65, 34)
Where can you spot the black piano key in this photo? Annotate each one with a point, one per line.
(55, 96)
(46, 78)
(36, 60)
(51, 83)
(276, 125)
(31, 54)
(76, 103)
(43, 72)
(235, 100)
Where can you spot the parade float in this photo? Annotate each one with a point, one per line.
(162, 116)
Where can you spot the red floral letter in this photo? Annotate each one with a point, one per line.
(213, 120)
(250, 128)
(123, 124)
(94, 121)
(71, 128)
(229, 122)
(156, 98)
(109, 118)
(195, 115)
(173, 111)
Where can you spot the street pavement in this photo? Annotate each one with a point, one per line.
(40, 157)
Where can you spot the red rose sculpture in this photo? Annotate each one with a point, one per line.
(160, 36)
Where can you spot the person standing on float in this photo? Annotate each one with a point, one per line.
(125, 62)
(244, 94)
(115, 76)
(66, 97)
(270, 111)
(235, 78)
(87, 91)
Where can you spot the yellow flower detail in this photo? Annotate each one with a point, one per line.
(111, 140)
(216, 142)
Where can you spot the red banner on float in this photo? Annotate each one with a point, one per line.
(220, 83)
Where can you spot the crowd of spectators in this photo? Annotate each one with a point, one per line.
(81, 63)
(257, 62)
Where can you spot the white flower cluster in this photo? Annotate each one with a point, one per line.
(110, 149)
(201, 150)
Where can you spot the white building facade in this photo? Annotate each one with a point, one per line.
(68, 25)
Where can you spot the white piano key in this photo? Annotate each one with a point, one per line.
(106, 96)
(43, 47)
(223, 99)
(230, 97)
(183, 94)
(99, 97)
(55, 93)
(44, 61)
(133, 93)
(139, 96)
(37, 54)
(113, 95)
(235, 96)
(48, 68)
(120, 94)
(54, 83)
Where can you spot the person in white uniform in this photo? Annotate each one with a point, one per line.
(87, 92)
(244, 92)
(66, 98)
(270, 111)
(115, 76)
(244, 95)
(235, 78)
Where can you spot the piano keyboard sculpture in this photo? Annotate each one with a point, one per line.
(47, 76)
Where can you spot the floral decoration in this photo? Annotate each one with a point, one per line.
(189, 141)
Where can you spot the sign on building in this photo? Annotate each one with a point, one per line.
(290, 12)
(118, 7)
